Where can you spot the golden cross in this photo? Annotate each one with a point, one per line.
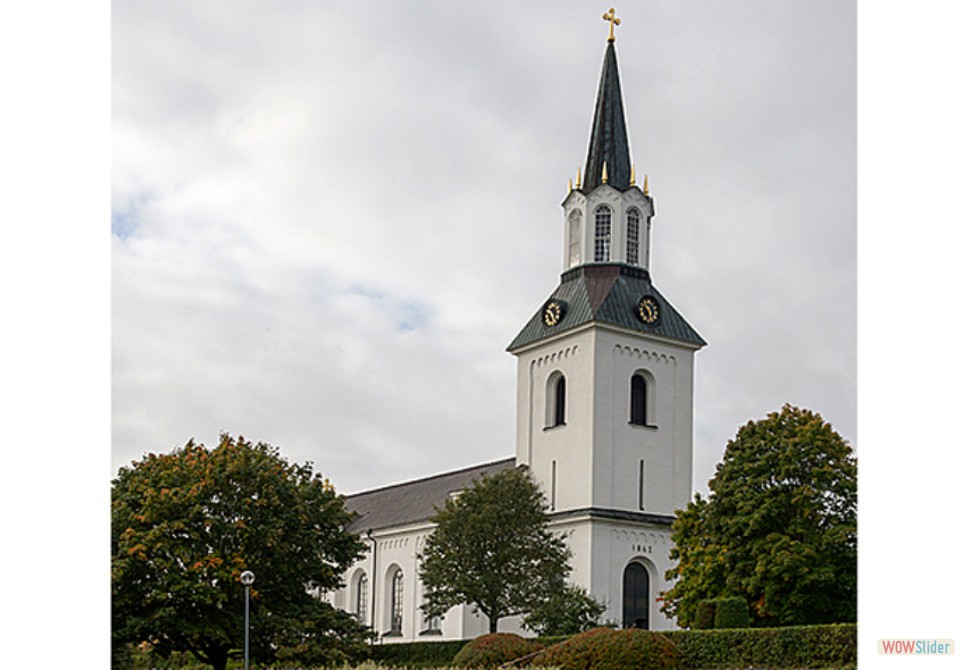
(611, 17)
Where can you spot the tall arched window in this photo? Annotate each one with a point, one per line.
(638, 400)
(555, 400)
(601, 241)
(643, 399)
(360, 607)
(397, 602)
(574, 234)
(636, 586)
(632, 236)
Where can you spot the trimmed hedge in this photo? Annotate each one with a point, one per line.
(704, 615)
(611, 649)
(430, 654)
(827, 646)
(494, 649)
(731, 613)
(728, 612)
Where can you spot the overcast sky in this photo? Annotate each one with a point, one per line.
(300, 193)
(330, 219)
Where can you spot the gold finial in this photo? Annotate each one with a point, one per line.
(633, 174)
(579, 178)
(570, 186)
(611, 17)
(646, 187)
(604, 172)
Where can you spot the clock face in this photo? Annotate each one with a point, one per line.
(553, 312)
(648, 310)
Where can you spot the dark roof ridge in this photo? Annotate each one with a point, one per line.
(439, 475)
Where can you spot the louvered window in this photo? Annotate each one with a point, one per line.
(601, 242)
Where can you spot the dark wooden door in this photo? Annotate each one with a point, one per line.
(636, 588)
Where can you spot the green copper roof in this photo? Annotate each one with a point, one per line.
(607, 293)
(608, 140)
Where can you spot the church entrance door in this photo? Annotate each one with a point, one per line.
(636, 586)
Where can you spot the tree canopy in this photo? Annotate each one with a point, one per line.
(185, 525)
(779, 527)
(491, 548)
(570, 612)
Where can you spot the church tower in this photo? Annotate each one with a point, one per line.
(604, 409)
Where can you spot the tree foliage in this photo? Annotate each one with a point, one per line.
(779, 527)
(569, 612)
(185, 525)
(491, 548)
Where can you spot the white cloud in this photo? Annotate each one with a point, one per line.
(333, 220)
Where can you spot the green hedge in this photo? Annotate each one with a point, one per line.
(495, 649)
(431, 654)
(728, 612)
(612, 649)
(828, 646)
(731, 613)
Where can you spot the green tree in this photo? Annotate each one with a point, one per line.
(492, 548)
(185, 525)
(569, 612)
(779, 527)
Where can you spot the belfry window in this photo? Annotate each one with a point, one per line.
(632, 236)
(601, 242)
(574, 233)
(556, 400)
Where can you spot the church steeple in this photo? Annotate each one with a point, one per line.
(608, 142)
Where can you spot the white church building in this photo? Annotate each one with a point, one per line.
(604, 417)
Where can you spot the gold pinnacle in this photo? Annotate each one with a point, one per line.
(611, 17)
(646, 187)
(604, 172)
(633, 174)
(570, 186)
(579, 178)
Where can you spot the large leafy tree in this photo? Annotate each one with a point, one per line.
(185, 525)
(778, 529)
(491, 548)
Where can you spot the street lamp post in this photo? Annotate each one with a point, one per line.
(246, 578)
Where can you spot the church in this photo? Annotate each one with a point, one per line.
(604, 416)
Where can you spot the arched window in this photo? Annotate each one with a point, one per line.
(638, 400)
(574, 233)
(397, 602)
(632, 236)
(636, 585)
(361, 605)
(556, 400)
(642, 399)
(601, 241)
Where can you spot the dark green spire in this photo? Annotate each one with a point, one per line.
(608, 143)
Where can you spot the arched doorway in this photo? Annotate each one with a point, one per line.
(636, 588)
